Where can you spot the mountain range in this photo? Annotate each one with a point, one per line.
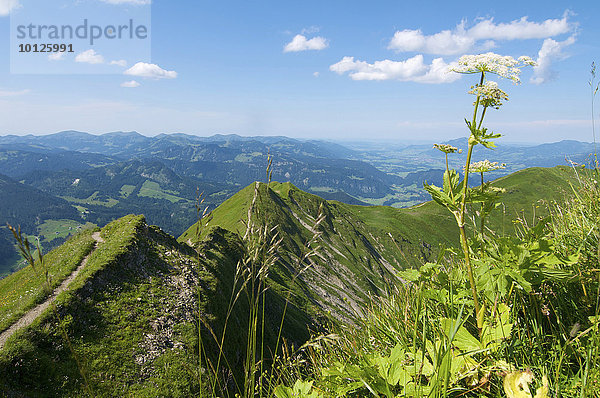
(55, 184)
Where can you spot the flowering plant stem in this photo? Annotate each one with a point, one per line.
(463, 240)
(461, 223)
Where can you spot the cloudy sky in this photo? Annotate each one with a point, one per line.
(337, 69)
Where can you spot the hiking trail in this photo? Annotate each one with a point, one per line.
(33, 313)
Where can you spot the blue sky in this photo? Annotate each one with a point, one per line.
(344, 70)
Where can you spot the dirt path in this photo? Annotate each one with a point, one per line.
(32, 314)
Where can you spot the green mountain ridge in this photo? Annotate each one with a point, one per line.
(363, 248)
(133, 312)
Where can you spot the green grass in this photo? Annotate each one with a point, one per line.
(22, 290)
(363, 248)
(53, 229)
(81, 209)
(358, 257)
(529, 192)
(247, 157)
(152, 189)
(377, 201)
(111, 309)
(126, 190)
(92, 200)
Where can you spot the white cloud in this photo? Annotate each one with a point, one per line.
(301, 43)
(120, 62)
(130, 84)
(6, 93)
(551, 50)
(445, 42)
(482, 34)
(59, 56)
(135, 2)
(142, 69)
(89, 57)
(438, 72)
(520, 29)
(316, 74)
(6, 6)
(411, 69)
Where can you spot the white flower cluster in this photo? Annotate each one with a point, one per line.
(447, 148)
(490, 95)
(501, 65)
(485, 166)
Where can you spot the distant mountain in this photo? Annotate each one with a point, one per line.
(128, 144)
(544, 155)
(108, 144)
(228, 159)
(517, 157)
(104, 177)
(23, 205)
(16, 160)
(138, 186)
(26, 207)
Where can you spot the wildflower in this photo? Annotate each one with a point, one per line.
(527, 60)
(446, 148)
(485, 166)
(502, 65)
(489, 94)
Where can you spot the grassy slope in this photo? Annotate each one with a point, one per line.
(24, 289)
(132, 317)
(528, 191)
(107, 315)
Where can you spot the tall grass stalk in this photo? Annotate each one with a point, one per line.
(594, 90)
(260, 242)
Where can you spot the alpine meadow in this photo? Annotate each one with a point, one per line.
(299, 200)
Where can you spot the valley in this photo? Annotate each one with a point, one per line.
(56, 183)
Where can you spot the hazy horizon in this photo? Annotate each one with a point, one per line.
(348, 141)
(311, 70)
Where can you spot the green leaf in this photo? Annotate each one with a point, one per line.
(398, 375)
(498, 329)
(302, 388)
(463, 340)
(282, 391)
(411, 275)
